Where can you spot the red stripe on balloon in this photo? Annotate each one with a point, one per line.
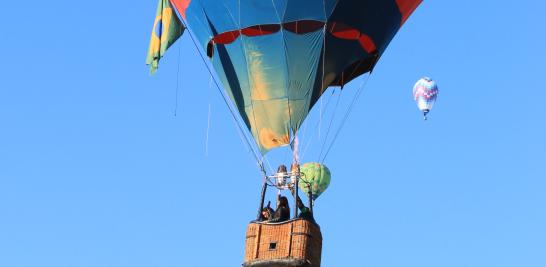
(346, 32)
(261, 30)
(343, 31)
(367, 43)
(338, 30)
(226, 37)
(407, 7)
(303, 26)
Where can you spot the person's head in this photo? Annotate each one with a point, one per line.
(266, 213)
(283, 202)
(281, 168)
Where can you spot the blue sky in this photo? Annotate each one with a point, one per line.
(95, 169)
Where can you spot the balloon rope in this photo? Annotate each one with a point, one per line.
(243, 46)
(208, 122)
(290, 128)
(232, 112)
(330, 124)
(207, 136)
(322, 89)
(315, 131)
(177, 80)
(263, 158)
(357, 95)
(332, 120)
(320, 118)
(304, 134)
(208, 117)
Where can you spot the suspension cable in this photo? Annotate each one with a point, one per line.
(315, 131)
(232, 112)
(243, 46)
(177, 78)
(330, 124)
(357, 95)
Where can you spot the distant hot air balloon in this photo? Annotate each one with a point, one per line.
(425, 92)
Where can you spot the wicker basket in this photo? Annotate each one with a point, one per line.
(291, 243)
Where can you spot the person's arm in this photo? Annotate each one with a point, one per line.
(299, 203)
(285, 214)
(276, 217)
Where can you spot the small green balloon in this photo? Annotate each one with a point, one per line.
(314, 176)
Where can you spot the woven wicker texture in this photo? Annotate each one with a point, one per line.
(298, 240)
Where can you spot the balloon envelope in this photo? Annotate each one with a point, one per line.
(315, 176)
(276, 58)
(425, 92)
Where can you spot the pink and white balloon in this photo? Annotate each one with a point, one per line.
(425, 92)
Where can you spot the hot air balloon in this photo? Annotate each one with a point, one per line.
(425, 92)
(275, 59)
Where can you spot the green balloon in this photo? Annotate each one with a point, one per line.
(314, 176)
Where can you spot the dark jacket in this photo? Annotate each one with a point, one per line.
(283, 210)
(305, 212)
(281, 214)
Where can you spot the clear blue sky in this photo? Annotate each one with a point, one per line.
(95, 169)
